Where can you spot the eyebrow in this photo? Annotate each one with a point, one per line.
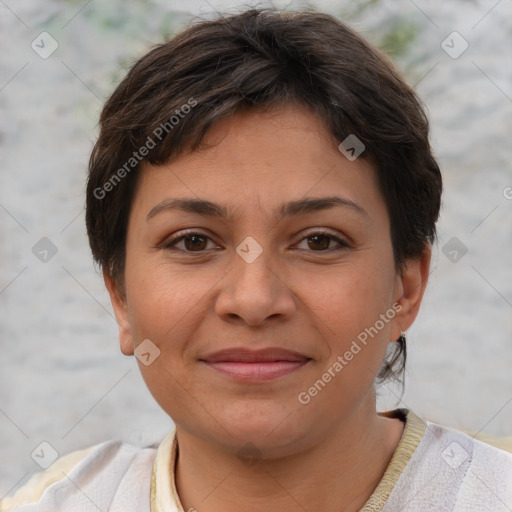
(292, 208)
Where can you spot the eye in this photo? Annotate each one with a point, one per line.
(319, 241)
(192, 242)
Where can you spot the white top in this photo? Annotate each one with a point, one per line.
(434, 468)
(451, 471)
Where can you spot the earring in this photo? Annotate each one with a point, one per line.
(401, 340)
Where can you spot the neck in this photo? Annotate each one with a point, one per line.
(338, 474)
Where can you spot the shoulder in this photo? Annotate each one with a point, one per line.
(503, 443)
(470, 473)
(34, 488)
(481, 472)
(452, 470)
(465, 444)
(97, 473)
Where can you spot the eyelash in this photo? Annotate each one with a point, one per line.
(171, 243)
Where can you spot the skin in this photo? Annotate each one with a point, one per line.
(298, 294)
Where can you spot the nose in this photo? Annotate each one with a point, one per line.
(255, 290)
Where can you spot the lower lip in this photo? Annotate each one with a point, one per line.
(257, 371)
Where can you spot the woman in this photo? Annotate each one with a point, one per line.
(262, 199)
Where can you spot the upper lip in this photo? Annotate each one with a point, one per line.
(244, 355)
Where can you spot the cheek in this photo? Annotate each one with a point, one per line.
(163, 301)
(350, 312)
(353, 297)
(165, 308)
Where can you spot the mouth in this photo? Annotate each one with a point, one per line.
(260, 365)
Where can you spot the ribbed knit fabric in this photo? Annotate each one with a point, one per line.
(411, 437)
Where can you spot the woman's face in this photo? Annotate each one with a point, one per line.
(269, 274)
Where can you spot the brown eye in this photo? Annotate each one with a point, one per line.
(191, 242)
(320, 241)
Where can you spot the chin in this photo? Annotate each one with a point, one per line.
(267, 430)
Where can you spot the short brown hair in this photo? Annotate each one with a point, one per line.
(264, 58)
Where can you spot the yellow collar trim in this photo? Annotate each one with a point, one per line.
(411, 437)
(164, 496)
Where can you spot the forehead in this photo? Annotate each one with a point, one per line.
(260, 160)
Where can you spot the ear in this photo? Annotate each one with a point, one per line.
(120, 310)
(410, 290)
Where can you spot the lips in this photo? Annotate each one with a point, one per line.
(244, 355)
(246, 365)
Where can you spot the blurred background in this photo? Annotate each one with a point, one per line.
(63, 380)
